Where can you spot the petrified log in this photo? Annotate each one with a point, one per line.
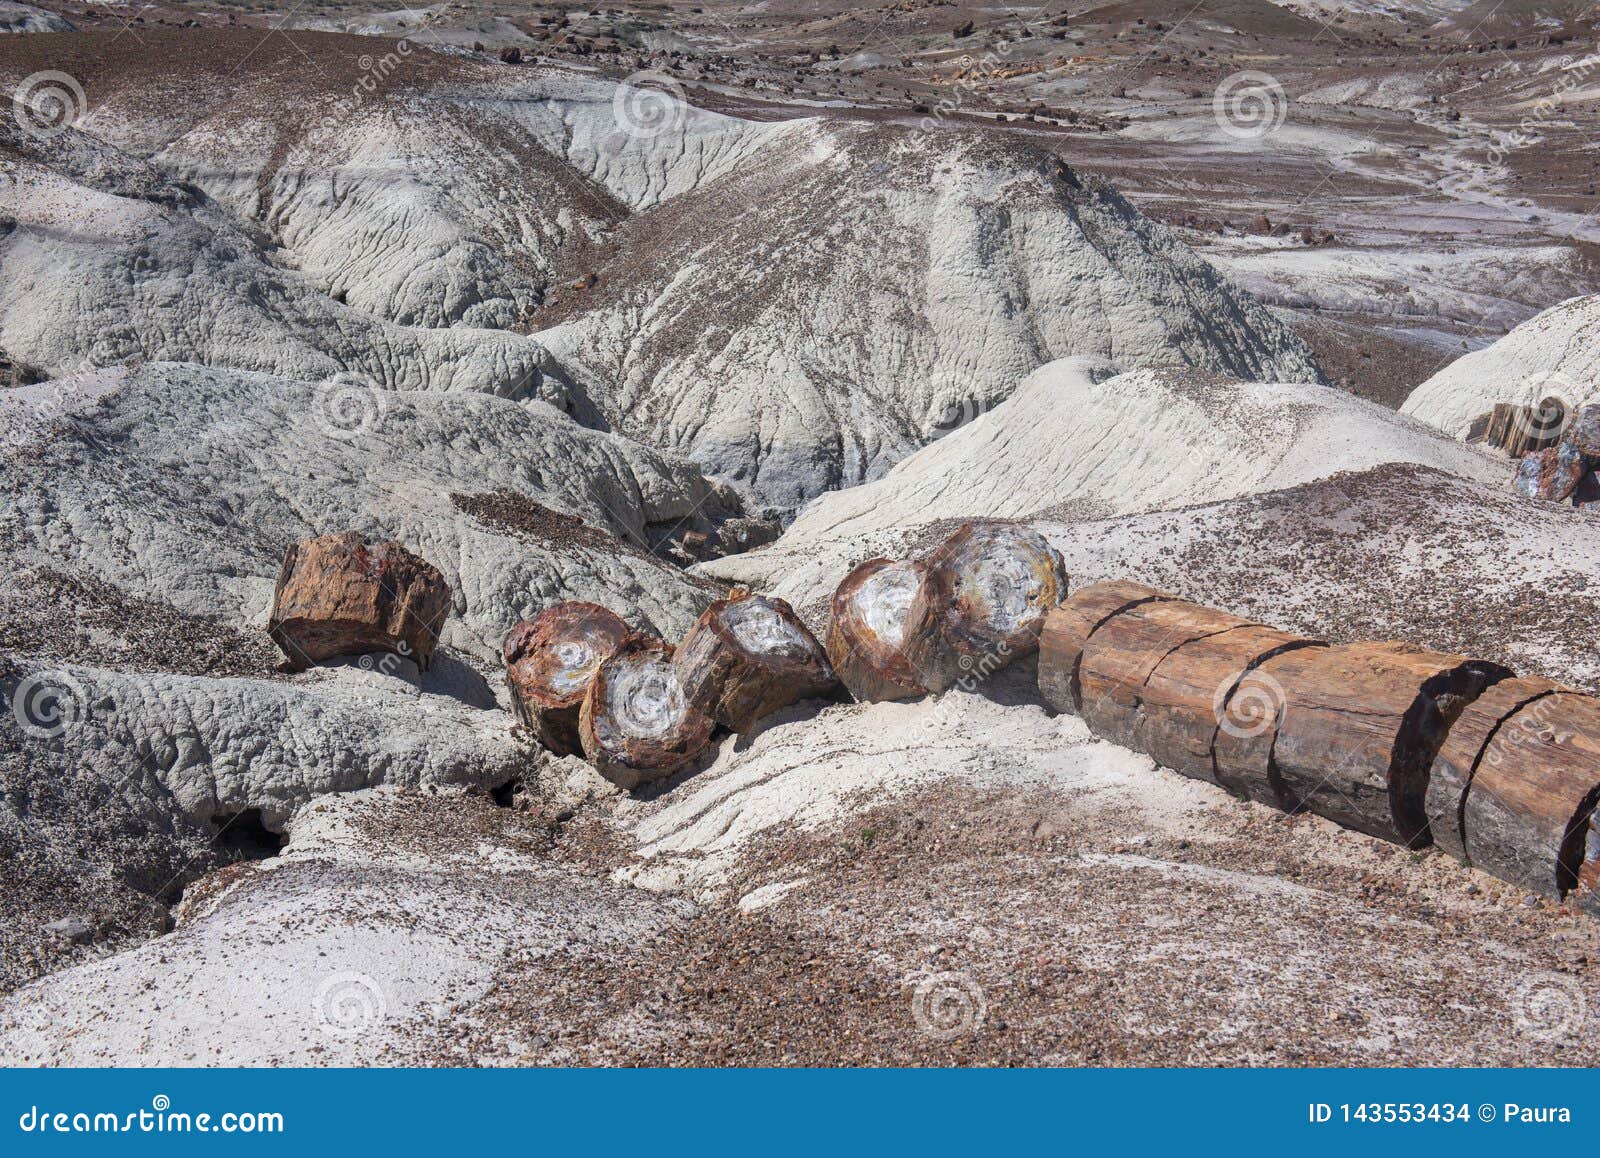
(636, 723)
(1068, 627)
(1356, 732)
(1203, 686)
(748, 656)
(988, 589)
(1462, 751)
(342, 595)
(867, 630)
(1583, 434)
(549, 662)
(1530, 803)
(1551, 474)
(1120, 657)
(1522, 430)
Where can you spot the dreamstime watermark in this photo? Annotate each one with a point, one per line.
(952, 416)
(972, 73)
(1248, 704)
(1527, 130)
(648, 104)
(48, 704)
(160, 1118)
(47, 104)
(349, 1005)
(946, 1005)
(349, 405)
(1549, 1007)
(1249, 105)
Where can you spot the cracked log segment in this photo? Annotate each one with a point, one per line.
(988, 590)
(1514, 788)
(636, 723)
(343, 595)
(867, 629)
(550, 660)
(1067, 629)
(1350, 732)
(746, 657)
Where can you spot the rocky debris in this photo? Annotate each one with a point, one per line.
(867, 626)
(1515, 787)
(1552, 474)
(21, 19)
(746, 657)
(343, 594)
(637, 723)
(550, 660)
(73, 929)
(987, 591)
(1583, 434)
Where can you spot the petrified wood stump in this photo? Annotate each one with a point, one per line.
(1204, 686)
(1120, 657)
(636, 723)
(1462, 751)
(342, 595)
(1356, 733)
(867, 630)
(746, 657)
(549, 662)
(988, 589)
(1530, 803)
(1068, 627)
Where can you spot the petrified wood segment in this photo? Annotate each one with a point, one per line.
(867, 630)
(549, 662)
(748, 656)
(1359, 727)
(343, 595)
(1120, 657)
(1450, 779)
(988, 589)
(1068, 627)
(1551, 474)
(636, 723)
(1529, 815)
(1203, 685)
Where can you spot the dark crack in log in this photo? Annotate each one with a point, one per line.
(746, 657)
(1068, 627)
(636, 723)
(867, 630)
(1196, 690)
(550, 660)
(988, 590)
(344, 595)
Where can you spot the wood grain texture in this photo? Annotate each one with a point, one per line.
(1068, 627)
(550, 660)
(746, 657)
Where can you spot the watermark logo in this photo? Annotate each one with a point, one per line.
(349, 1005)
(648, 104)
(1249, 105)
(349, 405)
(947, 1005)
(47, 104)
(50, 703)
(953, 416)
(1549, 1007)
(1250, 707)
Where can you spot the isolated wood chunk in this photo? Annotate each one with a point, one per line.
(1529, 815)
(1583, 434)
(1551, 474)
(1068, 627)
(867, 630)
(1119, 658)
(343, 595)
(1522, 430)
(636, 723)
(1459, 756)
(1190, 695)
(549, 662)
(747, 657)
(1360, 726)
(988, 589)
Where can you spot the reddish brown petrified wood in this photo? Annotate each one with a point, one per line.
(746, 657)
(549, 662)
(867, 628)
(636, 723)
